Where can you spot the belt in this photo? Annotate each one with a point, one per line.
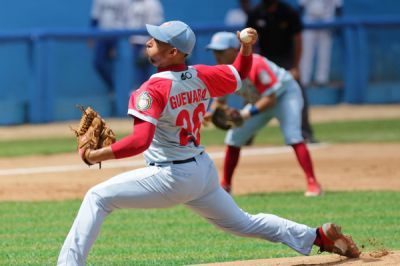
(192, 159)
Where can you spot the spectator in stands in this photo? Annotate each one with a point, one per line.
(107, 15)
(319, 41)
(140, 13)
(123, 14)
(279, 27)
(238, 16)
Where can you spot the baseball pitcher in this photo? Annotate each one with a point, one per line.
(167, 112)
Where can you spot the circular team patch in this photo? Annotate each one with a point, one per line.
(144, 101)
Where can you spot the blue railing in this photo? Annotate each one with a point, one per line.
(41, 41)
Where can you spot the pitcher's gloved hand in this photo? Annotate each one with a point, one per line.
(92, 133)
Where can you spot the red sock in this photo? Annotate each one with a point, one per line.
(231, 160)
(318, 240)
(304, 159)
(322, 240)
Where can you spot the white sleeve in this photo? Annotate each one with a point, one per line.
(237, 77)
(155, 16)
(95, 13)
(302, 2)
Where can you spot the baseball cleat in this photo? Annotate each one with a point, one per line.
(331, 239)
(313, 190)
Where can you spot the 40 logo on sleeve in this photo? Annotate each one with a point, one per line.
(144, 101)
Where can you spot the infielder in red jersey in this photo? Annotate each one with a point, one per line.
(167, 113)
(269, 91)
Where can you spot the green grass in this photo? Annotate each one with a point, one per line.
(12, 148)
(334, 132)
(378, 131)
(32, 233)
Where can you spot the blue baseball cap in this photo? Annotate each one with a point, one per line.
(175, 33)
(223, 40)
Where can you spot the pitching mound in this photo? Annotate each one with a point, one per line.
(381, 257)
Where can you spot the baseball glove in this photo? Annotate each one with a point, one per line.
(226, 118)
(92, 133)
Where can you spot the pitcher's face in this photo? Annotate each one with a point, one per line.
(159, 53)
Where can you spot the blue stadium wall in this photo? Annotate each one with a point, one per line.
(75, 77)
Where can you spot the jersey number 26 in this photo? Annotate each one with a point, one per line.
(190, 127)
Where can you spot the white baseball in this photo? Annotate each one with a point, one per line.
(244, 36)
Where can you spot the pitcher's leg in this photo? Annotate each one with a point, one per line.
(83, 231)
(220, 209)
(135, 189)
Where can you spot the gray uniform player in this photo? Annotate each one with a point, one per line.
(167, 111)
(270, 91)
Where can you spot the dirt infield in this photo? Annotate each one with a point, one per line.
(339, 167)
(361, 166)
(343, 167)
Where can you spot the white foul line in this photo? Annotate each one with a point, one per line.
(137, 162)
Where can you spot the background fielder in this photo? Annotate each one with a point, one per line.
(270, 91)
(168, 110)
